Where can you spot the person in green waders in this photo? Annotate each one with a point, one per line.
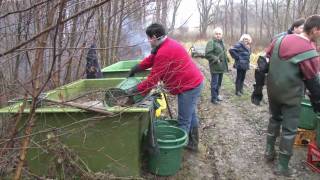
(294, 63)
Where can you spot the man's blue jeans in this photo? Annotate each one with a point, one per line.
(216, 80)
(187, 105)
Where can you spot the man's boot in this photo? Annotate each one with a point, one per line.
(238, 89)
(241, 88)
(193, 139)
(270, 153)
(282, 168)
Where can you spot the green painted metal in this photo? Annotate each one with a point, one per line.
(171, 141)
(105, 144)
(308, 117)
(122, 68)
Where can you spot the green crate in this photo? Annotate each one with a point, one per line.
(108, 144)
(308, 117)
(122, 68)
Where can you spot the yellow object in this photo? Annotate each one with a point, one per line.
(304, 137)
(162, 103)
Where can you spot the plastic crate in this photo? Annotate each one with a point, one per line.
(308, 117)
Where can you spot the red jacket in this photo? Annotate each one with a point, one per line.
(309, 68)
(173, 66)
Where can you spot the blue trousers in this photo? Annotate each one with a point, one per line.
(187, 105)
(216, 80)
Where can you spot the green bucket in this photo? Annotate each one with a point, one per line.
(171, 141)
(168, 122)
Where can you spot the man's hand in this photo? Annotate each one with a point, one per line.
(134, 70)
(256, 96)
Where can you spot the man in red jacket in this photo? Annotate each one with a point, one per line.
(172, 65)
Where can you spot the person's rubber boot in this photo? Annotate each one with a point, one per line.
(282, 168)
(238, 89)
(270, 152)
(193, 140)
(241, 88)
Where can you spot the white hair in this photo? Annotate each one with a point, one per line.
(246, 36)
(217, 30)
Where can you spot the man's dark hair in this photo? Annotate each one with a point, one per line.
(295, 24)
(155, 29)
(311, 22)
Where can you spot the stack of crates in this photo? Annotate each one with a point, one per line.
(307, 124)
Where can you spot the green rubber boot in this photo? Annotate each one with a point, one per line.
(282, 168)
(270, 153)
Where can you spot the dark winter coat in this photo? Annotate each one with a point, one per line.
(241, 55)
(216, 55)
(93, 70)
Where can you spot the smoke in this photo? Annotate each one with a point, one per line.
(134, 35)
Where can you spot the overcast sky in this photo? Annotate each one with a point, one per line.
(188, 8)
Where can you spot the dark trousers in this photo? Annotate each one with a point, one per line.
(241, 75)
(285, 117)
(216, 80)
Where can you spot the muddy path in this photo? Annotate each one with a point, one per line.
(232, 137)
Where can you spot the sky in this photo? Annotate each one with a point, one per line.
(188, 8)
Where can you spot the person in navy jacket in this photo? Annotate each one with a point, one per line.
(241, 52)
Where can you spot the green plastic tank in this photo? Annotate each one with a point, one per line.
(103, 144)
(122, 68)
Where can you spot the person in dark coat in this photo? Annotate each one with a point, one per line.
(217, 58)
(92, 67)
(241, 52)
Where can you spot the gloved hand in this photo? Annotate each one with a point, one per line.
(132, 91)
(256, 96)
(315, 106)
(134, 70)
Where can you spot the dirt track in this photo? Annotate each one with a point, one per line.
(233, 138)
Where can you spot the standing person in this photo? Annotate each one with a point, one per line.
(241, 52)
(93, 70)
(294, 62)
(216, 55)
(172, 65)
(296, 28)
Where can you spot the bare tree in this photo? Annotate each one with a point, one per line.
(206, 17)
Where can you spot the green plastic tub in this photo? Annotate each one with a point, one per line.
(168, 122)
(307, 118)
(171, 141)
(318, 131)
(122, 68)
(103, 144)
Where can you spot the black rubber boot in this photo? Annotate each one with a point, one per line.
(193, 139)
(241, 88)
(270, 153)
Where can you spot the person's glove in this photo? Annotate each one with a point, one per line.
(132, 91)
(256, 96)
(134, 95)
(315, 106)
(134, 70)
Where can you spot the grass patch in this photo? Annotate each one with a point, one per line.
(229, 87)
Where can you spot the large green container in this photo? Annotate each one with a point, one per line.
(171, 141)
(318, 131)
(104, 144)
(307, 118)
(122, 68)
